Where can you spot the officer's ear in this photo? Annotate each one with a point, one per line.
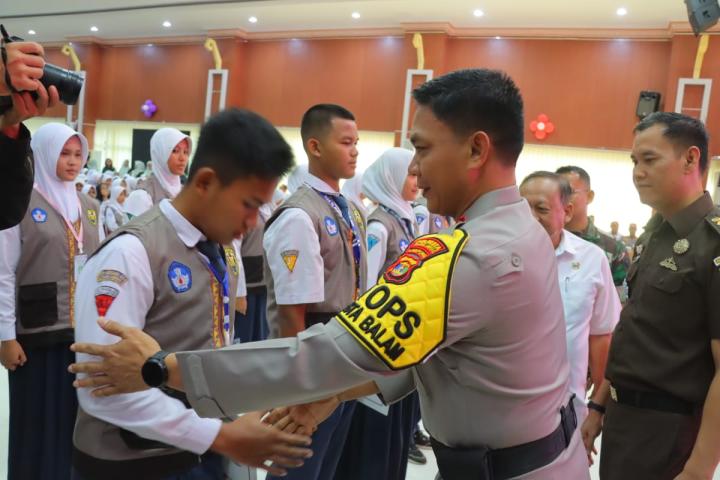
(590, 196)
(569, 211)
(479, 149)
(692, 159)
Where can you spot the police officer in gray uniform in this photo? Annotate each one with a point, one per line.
(489, 361)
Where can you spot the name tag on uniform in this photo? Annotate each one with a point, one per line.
(80, 261)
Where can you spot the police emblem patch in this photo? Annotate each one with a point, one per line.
(420, 251)
(232, 260)
(180, 277)
(403, 244)
(331, 226)
(290, 259)
(92, 216)
(372, 241)
(104, 298)
(39, 215)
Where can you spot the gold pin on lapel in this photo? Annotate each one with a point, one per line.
(669, 263)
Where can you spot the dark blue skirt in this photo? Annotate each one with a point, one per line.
(43, 405)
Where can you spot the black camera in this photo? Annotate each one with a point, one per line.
(68, 83)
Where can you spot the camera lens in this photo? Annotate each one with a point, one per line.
(68, 83)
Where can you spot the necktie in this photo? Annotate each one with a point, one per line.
(344, 208)
(212, 251)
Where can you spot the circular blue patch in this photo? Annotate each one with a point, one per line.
(331, 226)
(39, 215)
(403, 244)
(180, 277)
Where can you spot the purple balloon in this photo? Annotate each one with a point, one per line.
(149, 108)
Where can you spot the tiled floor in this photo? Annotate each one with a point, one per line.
(415, 472)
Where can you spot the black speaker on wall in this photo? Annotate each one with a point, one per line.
(703, 14)
(648, 103)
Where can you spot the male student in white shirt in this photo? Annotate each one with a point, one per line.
(590, 300)
(166, 271)
(316, 254)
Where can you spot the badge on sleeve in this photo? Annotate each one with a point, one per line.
(180, 277)
(438, 222)
(372, 241)
(111, 276)
(104, 297)
(290, 259)
(420, 219)
(403, 244)
(92, 216)
(39, 215)
(232, 260)
(331, 226)
(358, 217)
(716, 262)
(402, 320)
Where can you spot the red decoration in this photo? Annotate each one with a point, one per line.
(542, 127)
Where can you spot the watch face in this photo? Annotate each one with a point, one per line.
(152, 372)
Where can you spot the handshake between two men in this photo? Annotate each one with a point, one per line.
(272, 440)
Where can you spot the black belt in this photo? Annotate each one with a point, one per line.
(483, 463)
(663, 402)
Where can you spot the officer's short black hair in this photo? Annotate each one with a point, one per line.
(478, 100)
(581, 172)
(563, 185)
(238, 143)
(681, 130)
(318, 120)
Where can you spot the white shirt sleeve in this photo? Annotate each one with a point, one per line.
(606, 307)
(10, 248)
(241, 290)
(292, 238)
(150, 414)
(377, 236)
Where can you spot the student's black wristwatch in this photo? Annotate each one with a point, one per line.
(154, 371)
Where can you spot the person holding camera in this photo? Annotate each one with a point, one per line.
(22, 66)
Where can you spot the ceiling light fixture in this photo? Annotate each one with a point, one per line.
(252, 19)
(167, 24)
(149, 44)
(478, 13)
(621, 12)
(31, 32)
(498, 37)
(93, 28)
(355, 15)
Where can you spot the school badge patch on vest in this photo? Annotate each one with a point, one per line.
(420, 219)
(180, 277)
(331, 226)
(403, 244)
(39, 215)
(438, 222)
(290, 259)
(232, 262)
(92, 216)
(402, 319)
(372, 241)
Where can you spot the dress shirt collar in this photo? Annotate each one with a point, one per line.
(684, 221)
(566, 244)
(314, 182)
(187, 232)
(491, 200)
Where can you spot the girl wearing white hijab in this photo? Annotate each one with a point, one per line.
(91, 192)
(170, 153)
(391, 228)
(352, 190)
(39, 262)
(125, 168)
(138, 168)
(115, 216)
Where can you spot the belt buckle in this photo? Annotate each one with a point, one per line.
(613, 393)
